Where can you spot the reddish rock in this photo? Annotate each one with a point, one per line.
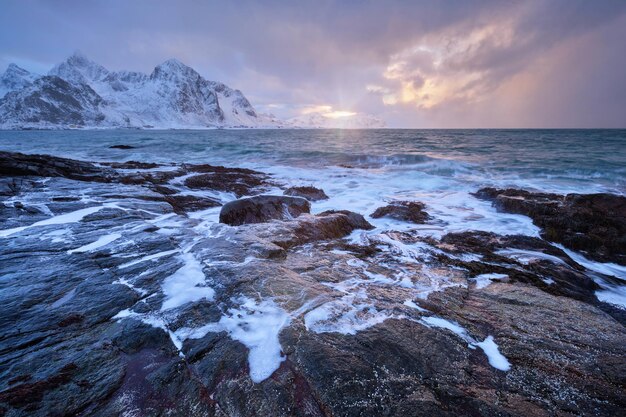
(263, 208)
(591, 223)
(310, 193)
(409, 211)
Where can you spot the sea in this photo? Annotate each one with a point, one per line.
(363, 169)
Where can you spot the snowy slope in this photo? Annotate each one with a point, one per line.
(15, 78)
(172, 96)
(79, 93)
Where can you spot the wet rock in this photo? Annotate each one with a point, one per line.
(263, 208)
(594, 224)
(32, 392)
(523, 259)
(17, 164)
(188, 203)
(310, 193)
(324, 226)
(234, 182)
(131, 165)
(84, 331)
(121, 147)
(409, 211)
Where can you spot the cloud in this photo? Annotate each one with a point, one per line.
(417, 64)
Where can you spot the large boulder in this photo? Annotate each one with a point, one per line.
(408, 211)
(310, 193)
(263, 208)
(591, 223)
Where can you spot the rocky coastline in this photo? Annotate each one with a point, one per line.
(117, 298)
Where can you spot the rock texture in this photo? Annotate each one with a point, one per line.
(310, 193)
(111, 303)
(594, 224)
(155, 183)
(263, 208)
(409, 211)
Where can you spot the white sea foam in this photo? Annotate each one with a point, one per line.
(146, 258)
(257, 325)
(72, 217)
(186, 284)
(618, 271)
(446, 324)
(347, 315)
(525, 256)
(412, 304)
(496, 359)
(100, 242)
(483, 280)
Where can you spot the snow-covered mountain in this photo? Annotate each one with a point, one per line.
(15, 78)
(82, 93)
(79, 93)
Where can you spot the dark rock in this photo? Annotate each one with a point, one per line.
(18, 164)
(219, 169)
(132, 165)
(324, 226)
(73, 318)
(410, 211)
(239, 183)
(121, 147)
(263, 208)
(188, 203)
(32, 392)
(310, 193)
(567, 277)
(591, 223)
(62, 352)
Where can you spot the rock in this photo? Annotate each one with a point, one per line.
(410, 211)
(17, 164)
(324, 226)
(343, 323)
(188, 203)
(263, 208)
(131, 165)
(121, 147)
(310, 193)
(594, 224)
(236, 182)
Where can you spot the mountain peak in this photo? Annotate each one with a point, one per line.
(173, 68)
(78, 68)
(173, 95)
(78, 58)
(15, 77)
(15, 70)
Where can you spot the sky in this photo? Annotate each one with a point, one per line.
(413, 64)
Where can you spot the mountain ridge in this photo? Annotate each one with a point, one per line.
(80, 93)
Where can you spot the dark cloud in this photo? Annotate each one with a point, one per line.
(454, 61)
